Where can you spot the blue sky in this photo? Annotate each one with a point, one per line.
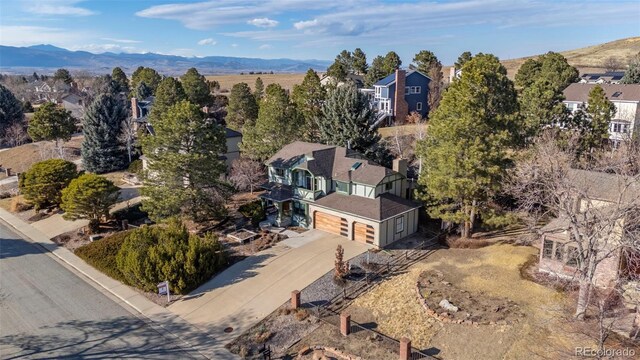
(318, 29)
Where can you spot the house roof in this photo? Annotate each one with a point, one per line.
(381, 208)
(277, 192)
(334, 162)
(623, 92)
(605, 186)
(392, 78)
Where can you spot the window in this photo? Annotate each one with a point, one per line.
(388, 186)
(279, 172)
(620, 128)
(559, 253)
(299, 208)
(399, 224)
(416, 89)
(547, 249)
(407, 90)
(318, 184)
(419, 106)
(572, 256)
(342, 186)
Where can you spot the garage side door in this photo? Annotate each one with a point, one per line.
(363, 232)
(329, 223)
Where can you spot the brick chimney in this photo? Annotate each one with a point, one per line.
(401, 108)
(400, 165)
(135, 110)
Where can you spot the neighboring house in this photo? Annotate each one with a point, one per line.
(75, 104)
(44, 91)
(399, 94)
(140, 110)
(454, 74)
(358, 80)
(626, 120)
(609, 77)
(335, 189)
(558, 249)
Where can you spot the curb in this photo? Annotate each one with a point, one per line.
(146, 308)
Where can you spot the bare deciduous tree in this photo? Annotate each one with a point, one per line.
(246, 174)
(16, 134)
(612, 63)
(599, 208)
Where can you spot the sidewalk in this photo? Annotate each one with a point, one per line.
(196, 338)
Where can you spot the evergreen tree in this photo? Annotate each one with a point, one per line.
(27, 107)
(121, 80)
(427, 63)
(11, 111)
(359, 62)
(258, 89)
(184, 166)
(464, 58)
(599, 113)
(52, 123)
(278, 124)
(63, 75)
(196, 88)
(308, 98)
(43, 183)
(632, 75)
(341, 67)
(90, 197)
(376, 71)
(391, 62)
(103, 149)
(149, 76)
(465, 151)
(540, 106)
(169, 93)
(345, 120)
(528, 73)
(243, 109)
(552, 67)
(143, 91)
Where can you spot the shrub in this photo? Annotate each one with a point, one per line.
(460, 243)
(150, 255)
(42, 184)
(101, 254)
(135, 167)
(18, 206)
(253, 211)
(89, 197)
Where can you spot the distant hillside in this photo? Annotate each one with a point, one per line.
(47, 58)
(587, 59)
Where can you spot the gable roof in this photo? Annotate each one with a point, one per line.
(605, 186)
(381, 208)
(336, 162)
(388, 80)
(580, 92)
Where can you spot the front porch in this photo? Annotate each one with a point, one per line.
(282, 208)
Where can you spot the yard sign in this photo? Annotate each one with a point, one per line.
(163, 288)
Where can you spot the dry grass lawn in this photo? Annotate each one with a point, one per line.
(20, 158)
(285, 80)
(403, 130)
(492, 271)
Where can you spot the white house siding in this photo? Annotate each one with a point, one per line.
(385, 232)
(233, 150)
(362, 190)
(398, 187)
(628, 111)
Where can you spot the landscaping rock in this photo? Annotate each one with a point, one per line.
(445, 304)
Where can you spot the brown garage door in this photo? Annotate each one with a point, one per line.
(363, 232)
(333, 224)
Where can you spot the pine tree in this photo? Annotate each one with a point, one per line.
(169, 93)
(427, 63)
(391, 62)
(89, 196)
(121, 79)
(63, 75)
(341, 67)
(528, 73)
(346, 119)
(359, 62)
(599, 113)
(376, 71)
(143, 91)
(465, 151)
(552, 67)
(258, 89)
(103, 149)
(308, 98)
(184, 167)
(278, 124)
(540, 106)
(632, 75)
(242, 109)
(149, 76)
(52, 123)
(464, 58)
(10, 110)
(196, 88)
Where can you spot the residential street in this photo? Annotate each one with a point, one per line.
(46, 311)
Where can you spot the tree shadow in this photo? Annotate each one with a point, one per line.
(114, 338)
(12, 247)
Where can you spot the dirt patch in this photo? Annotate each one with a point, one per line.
(281, 329)
(447, 302)
(287, 81)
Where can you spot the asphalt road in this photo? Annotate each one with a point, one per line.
(47, 311)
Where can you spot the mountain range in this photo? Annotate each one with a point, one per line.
(48, 58)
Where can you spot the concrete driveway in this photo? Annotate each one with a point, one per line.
(250, 290)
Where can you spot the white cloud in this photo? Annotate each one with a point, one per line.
(207, 41)
(265, 47)
(234, 45)
(102, 48)
(19, 35)
(121, 41)
(263, 22)
(301, 25)
(57, 7)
